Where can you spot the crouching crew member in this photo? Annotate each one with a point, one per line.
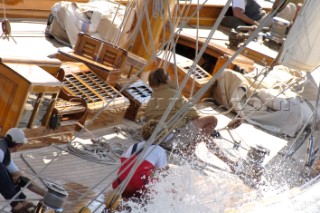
(11, 178)
(155, 159)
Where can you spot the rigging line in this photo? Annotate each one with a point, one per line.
(4, 9)
(131, 11)
(123, 24)
(171, 47)
(186, 8)
(136, 30)
(114, 18)
(33, 171)
(175, 67)
(149, 30)
(131, 7)
(196, 52)
(252, 93)
(301, 131)
(144, 42)
(311, 144)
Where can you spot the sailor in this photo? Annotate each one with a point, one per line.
(11, 178)
(249, 12)
(155, 160)
(190, 126)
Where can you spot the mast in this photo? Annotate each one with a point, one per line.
(151, 25)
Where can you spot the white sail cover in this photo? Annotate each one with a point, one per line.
(301, 49)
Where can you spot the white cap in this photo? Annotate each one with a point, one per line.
(17, 136)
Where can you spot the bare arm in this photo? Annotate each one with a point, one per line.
(22, 181)
(239, 13)
(36, 189)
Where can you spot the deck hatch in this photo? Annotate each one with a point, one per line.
(90, 87)
(199, 73)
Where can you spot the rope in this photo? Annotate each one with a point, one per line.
(4, 9)
(158, 9)
(196, 52)
(100, 152)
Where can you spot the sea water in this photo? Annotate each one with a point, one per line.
(188, 189)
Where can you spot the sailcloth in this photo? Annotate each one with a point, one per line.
(301, 49)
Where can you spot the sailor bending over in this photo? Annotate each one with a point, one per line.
(11, 178)
(155, 159)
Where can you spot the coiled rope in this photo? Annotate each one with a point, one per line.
(100, 151)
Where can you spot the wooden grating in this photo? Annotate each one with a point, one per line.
(91, 88)
(139, 91)
(198, 74)
(138, 94)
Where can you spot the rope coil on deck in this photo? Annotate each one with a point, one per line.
(100, 152)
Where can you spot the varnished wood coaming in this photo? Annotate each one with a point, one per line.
(18, 81)
(216, 51)
(29, 97)
(30, 8)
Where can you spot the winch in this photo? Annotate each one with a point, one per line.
(278, 30)
(241, 34)
(55, 197)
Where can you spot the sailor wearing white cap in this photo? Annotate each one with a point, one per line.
(11, 178)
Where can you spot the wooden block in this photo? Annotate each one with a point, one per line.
(138, 94)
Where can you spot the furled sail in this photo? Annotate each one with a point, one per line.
(301, 49)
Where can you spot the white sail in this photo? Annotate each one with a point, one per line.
(301, 49)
